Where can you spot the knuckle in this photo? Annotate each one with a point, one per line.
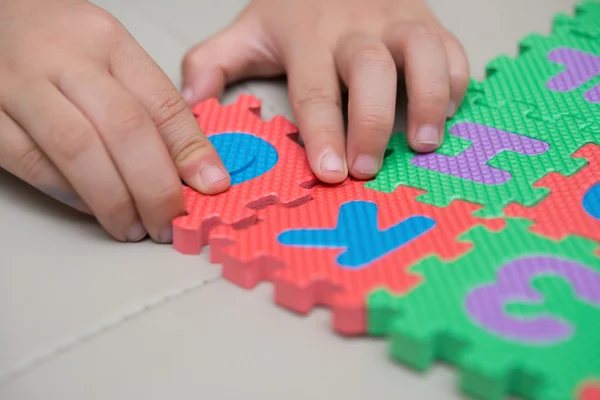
(33, 164)
(434, 95)
(117, 209)
(188, 148)
(130, 123)
(70, 141)
(376, 119)
(458, 63)
(372, 56)
(164, 197)
(423, 31)
(450, 40)
(326, 131)
(104, 24)
(460, 79)
(314, 96)
(190, 60)
(169, 107)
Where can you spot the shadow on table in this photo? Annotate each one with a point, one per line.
(34, 202)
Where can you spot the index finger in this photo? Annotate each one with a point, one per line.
(196, 159)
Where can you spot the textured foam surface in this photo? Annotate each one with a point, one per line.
(244, 155)
(519, 314)
(572, 207)
(266, 165)
(431, 253)
(586, 20)
(558, 74)
(346, 242)
(491, 156)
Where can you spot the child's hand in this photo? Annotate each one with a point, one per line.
(86, 116)
(360, 42)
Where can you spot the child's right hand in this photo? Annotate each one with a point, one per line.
(88, 117)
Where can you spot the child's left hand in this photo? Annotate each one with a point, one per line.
(359, 43)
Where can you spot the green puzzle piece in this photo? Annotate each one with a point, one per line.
(540, 77)
(519, 314)
(563, 136)
(585, 22)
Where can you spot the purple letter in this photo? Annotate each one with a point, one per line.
(487, 142)
(486, 303)
(580, 68)
(593, 95)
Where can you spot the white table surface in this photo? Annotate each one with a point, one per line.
(85, 318)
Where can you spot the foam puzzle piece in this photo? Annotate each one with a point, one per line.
(418, 254)
(491, 156)
(559, 74)
(518, 314)
(338, 247)
(266, 166)
(590, 391)
(573, 205)
(586, 20)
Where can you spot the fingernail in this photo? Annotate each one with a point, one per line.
(188, 95)
(428, 134)
(451, 108)
(366, 164)
(136, 232)
(332, 162)
(165, 235)
(211, 174)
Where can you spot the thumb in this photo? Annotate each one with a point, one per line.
(239, 51)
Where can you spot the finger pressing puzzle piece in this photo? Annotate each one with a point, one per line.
(266, 166)
(491, 156)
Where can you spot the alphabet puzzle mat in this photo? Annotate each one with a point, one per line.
(484, 254)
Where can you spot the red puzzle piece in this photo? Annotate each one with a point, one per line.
(307, 276)
(562, 213)
(282, 184)
(590, 391)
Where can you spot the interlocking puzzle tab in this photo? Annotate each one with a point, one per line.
(586, 20)
(559, 74)
(491, 156)
(420, 253)
(340, 246)
(265, 164)
(519, 314)
(573, 205)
